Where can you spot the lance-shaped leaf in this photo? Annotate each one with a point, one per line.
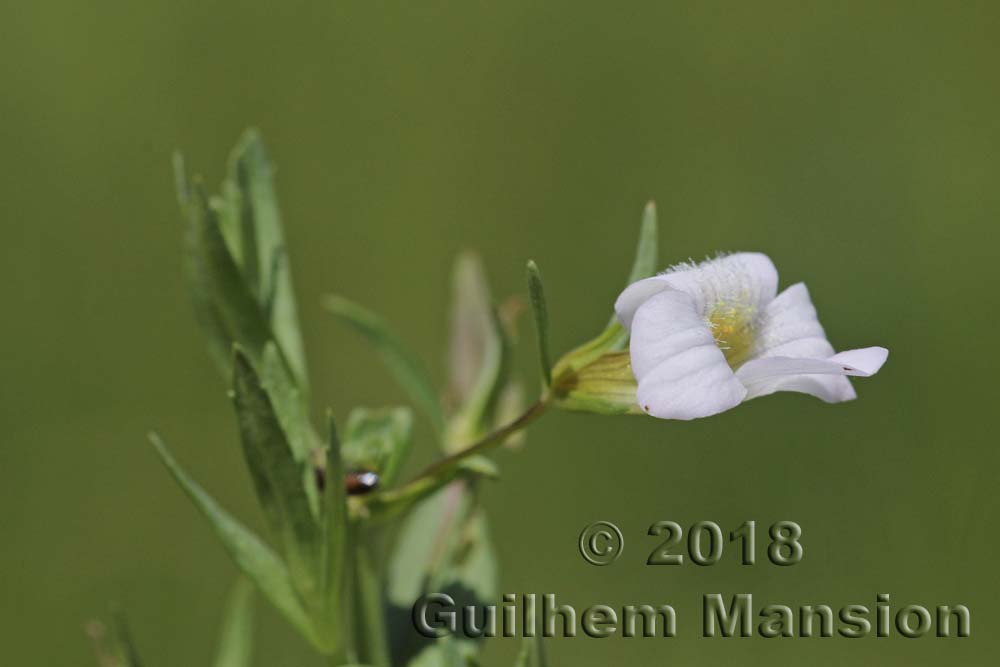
(643, 266)
(646, 250)
(252, 556)
(236, 639)
(224, 304)
(402, 363)
(479, 355)
(443, 547)
(532, 653)
(541, 312)
(278, 478)
(236, 224)
(118, 649)
(289, 405)
(614, 337)
(236, 262)
(510, 406)
(378, 440)
(251, 174)
(472, 329)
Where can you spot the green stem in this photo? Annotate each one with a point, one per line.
(492, 441)
(371, 642)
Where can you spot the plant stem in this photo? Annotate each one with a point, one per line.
(491, 441)
(437, 475)
(371, 644)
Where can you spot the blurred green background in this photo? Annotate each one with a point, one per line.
(854, 142)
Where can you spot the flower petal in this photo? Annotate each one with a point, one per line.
(828, 388)
(745, 277)
(748, 277)
(823, 378)
(864, 363)
(682, 373)
(793, 354)
(635, 295)
(790, 327)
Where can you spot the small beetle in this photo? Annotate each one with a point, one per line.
(360, 482)
(357, 482)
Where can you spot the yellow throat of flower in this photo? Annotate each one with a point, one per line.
(733, 324)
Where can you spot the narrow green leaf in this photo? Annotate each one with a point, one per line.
(230, 206)
(117, 648)
(224, 306)
(235, 262)
(614, 338)
(540, 310)
(236, 639)
(532, 653)
(510, 406)
(378, 440)
(293, 414)
(403, 365)
(251, 174)
(253, 557)
(647, 249)
(471, 324)
(125, 648)
(278, 478)
(480, 467)
(182, 186)
(289, 404)
(444, 546)
(479, 355)
(643, 266)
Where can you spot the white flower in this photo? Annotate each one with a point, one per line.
(706, 337)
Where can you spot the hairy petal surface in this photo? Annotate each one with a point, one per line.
(746, 278)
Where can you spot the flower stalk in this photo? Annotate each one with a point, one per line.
(431, 477)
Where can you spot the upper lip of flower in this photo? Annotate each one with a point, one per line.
(706, 337)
